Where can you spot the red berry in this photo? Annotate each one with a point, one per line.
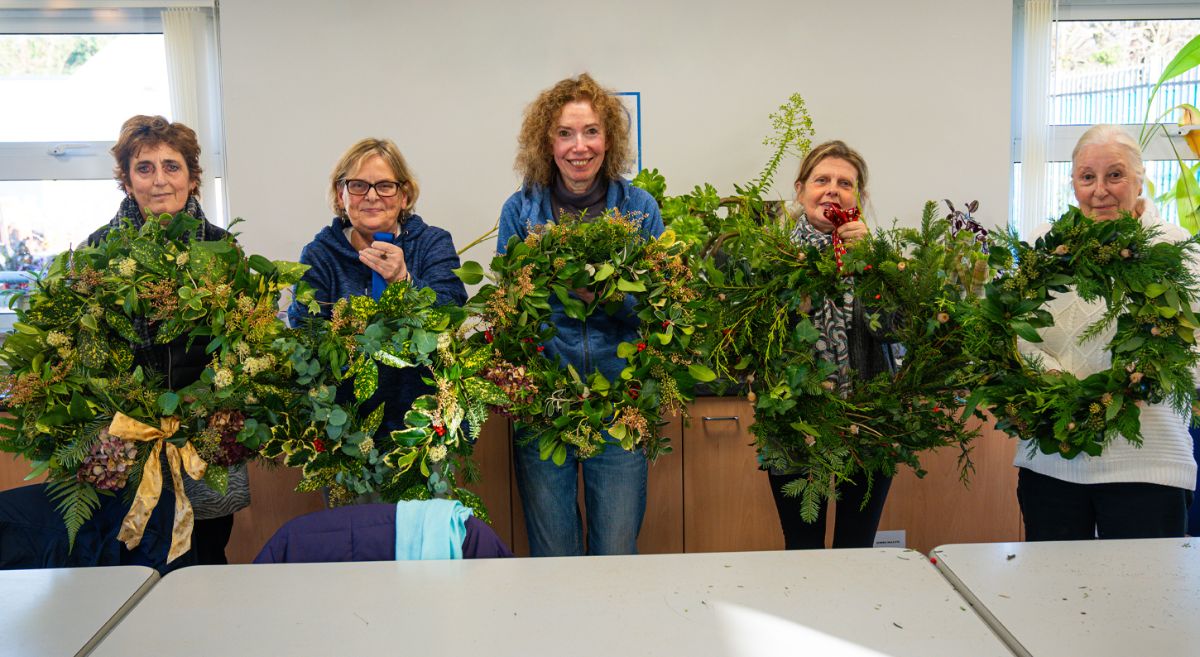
(936, 408)
(634, 392)
(541, 348)
(439, 429)
(867, 268)
(877, 297)
(666, 323)
(487, 335)
(641, 346)
(319, 445)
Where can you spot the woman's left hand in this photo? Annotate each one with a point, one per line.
(852, 231)
(387, 259)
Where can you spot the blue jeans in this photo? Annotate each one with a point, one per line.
(614, 484)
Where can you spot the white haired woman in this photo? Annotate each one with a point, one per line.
(1126, 492)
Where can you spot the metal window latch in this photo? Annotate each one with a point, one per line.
(59, 150)
(720, 418)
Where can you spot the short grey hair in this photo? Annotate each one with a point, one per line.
(1105, 134)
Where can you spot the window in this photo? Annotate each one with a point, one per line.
(1105, 60)
(76, 76)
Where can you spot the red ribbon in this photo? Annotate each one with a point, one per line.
(839, 217)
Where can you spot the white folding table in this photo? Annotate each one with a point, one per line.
(1089, 598)
(65, 611)
(845, 602)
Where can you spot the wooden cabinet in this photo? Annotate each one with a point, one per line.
(727, 502)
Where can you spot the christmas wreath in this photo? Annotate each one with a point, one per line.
(338, 446)
(95, 421)
(917, 286)
(1148, 289)
(558, 406)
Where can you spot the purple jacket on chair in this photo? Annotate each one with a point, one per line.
(363, 532)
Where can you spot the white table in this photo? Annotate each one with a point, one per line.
(1093, 598)
(848, 602)
(65, 611)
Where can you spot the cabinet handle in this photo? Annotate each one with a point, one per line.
(720, 418)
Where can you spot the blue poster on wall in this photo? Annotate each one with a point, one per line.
(632, 100)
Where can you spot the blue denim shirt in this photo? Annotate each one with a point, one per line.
(589, 345)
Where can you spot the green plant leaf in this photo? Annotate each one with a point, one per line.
(630, 286)
(701, 373)
(470, 272)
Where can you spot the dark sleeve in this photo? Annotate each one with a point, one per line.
(320, 278)
(438, 259)
(510, 223)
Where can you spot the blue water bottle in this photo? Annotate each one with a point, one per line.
(378, 285)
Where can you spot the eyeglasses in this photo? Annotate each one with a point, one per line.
(361, 187)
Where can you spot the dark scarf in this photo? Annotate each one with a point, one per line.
(590, 203)
(830, 318)
(130, 210)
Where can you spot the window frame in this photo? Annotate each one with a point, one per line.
(1062, 138)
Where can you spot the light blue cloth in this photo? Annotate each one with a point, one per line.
(430, 529)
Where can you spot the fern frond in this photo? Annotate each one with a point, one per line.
(76, 502)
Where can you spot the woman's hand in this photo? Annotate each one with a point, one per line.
(386, 259)
(852, 231)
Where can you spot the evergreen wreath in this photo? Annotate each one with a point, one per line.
(560, 407)
(1148, 289)
(918, 288)
(71, 359)
(919, 285)
(336, 444)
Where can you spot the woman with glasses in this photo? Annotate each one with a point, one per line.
(374, 240)
(573, 146)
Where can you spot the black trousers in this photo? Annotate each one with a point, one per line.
(209, 538)
(854, 525)
(1057, 510)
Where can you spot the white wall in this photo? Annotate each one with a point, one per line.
(922, 88)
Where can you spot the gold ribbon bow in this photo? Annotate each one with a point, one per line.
(149, 490)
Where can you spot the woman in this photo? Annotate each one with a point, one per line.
(574, 143)
(1126, 492)
(158, 168)
(833, 175)
(372, 191)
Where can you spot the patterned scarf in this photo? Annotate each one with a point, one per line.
(831, 319)
(130, 210)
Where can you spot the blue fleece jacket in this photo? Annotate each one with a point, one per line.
(590, 345)
(336, 272)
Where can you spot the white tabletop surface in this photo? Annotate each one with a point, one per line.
(63, 611)
(1091, 598)
(846, 602)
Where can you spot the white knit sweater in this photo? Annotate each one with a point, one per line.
(1165, 456)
